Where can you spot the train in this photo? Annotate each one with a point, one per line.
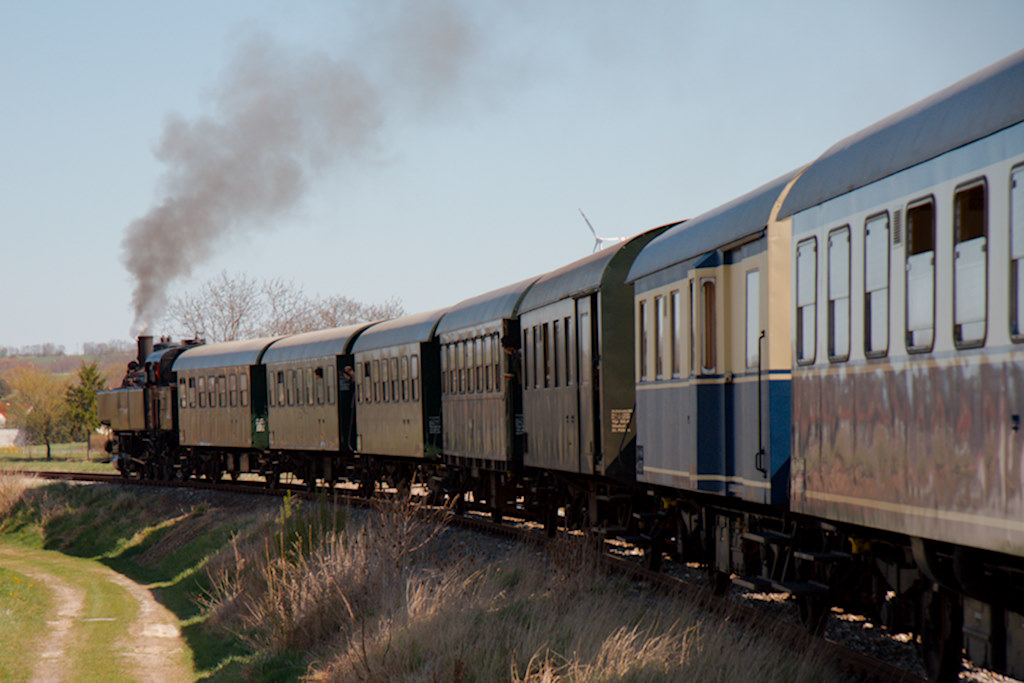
(814, 389)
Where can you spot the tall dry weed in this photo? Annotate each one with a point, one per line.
(385, 597)
(313, 577)
(12, 488)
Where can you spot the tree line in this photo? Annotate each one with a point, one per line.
(51, 409)
(234, 306)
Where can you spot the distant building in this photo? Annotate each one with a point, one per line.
(9, 438)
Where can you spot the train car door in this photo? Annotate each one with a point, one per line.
(585, 345)
(711, 445)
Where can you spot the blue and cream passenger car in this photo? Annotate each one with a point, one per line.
(712, 352)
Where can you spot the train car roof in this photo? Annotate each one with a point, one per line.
(979, 105)
(494, 305)
(223, 354)
(408, 329)
(712, 229)
(579, 277)
(319, 344)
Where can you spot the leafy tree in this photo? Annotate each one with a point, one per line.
(229, 307)
(81, 402)
(38, 405)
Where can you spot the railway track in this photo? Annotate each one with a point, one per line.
(855, 665)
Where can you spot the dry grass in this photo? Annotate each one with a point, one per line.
(383, 597)
(12, 487)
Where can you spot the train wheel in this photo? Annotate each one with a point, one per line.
(273, 478)
(550, 520)
(309, 478)
(652, 556)
(941, 634)
(720, 582)
(814, 611)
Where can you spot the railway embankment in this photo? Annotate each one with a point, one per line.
(269, 590)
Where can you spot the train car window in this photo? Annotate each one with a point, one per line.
(839, 294)
(556, 352)
(806, 300)
(674, 331)
(548, 353)
(692, 316)
(569, 364)
(527, 357)
(478, 344)
(970, 265)
(280, 388)
(659, 331)
(332, 383)
(394, 379)
(414, 374)
(444, 369)
(374, 381)
(488, 342)
(222, 391)
(293, 388)
(753, 318)
(191, 392)
(405, 378)
(585, 341)
(452, 371)
(202, 392)
(320, 393)
(385, 380)
(233, 390)
(460, 366)
(538, 360)
(497, 353)
(876, 286)
(243, 388)
(1017, 254)
(211, 386)
(182, 393)
(470, 366)
(303, 388)
(641, 333)
(920, 278)
(709, 361)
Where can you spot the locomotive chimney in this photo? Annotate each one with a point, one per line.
(145, 347)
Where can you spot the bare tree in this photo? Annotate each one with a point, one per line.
(230, 307)
(224, 308)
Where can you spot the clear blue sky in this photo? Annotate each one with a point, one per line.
(640, 113)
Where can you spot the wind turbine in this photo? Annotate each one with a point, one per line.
(599, 241)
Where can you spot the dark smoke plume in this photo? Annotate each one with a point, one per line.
(279, 119)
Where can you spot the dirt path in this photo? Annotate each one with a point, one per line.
(100, 620)
(69, 602)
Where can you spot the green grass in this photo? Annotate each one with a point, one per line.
(158, 541)
(64, 457)
(96, 639)
(23, 608)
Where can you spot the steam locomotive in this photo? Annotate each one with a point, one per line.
(815, 389)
